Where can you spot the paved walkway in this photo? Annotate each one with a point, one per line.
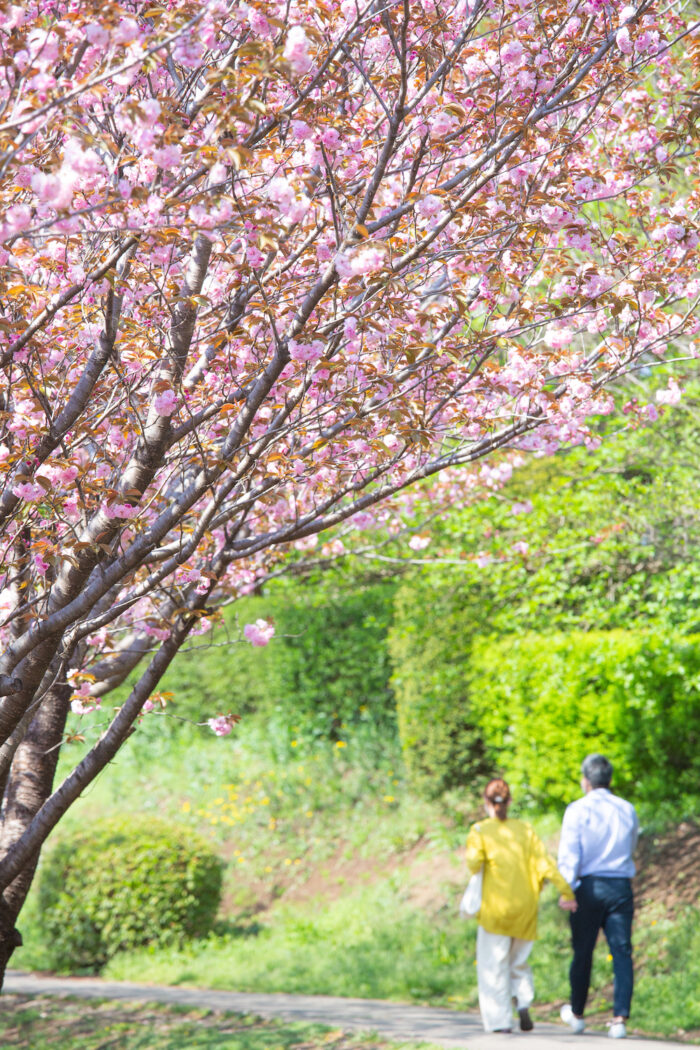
(448, 1028)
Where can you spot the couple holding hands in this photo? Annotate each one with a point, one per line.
(593, 875)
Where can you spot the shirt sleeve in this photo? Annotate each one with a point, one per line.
(546, 868)
(475, 850)
(569, 858)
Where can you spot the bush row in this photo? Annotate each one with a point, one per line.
(531, 706)
(527, 704)
(543, 702)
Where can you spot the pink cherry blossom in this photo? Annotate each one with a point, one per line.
(166, 402)
(188, 51)
(29, 491)
(306, 351)
(624, 41)
(419, 543)
(442, 124)
(121, 510)
(42, 566)
(126, 31)
(296, 50)
(512, 52)
(367, 260)
(429, 205)
(17, 217)
(96, 34)
(671, 395)
(82, 700)
(221, 725)
(301, 130)
(168, 157)
(330, 137)
(259, 24)
(259, 633)
(363, 520)
(57, 190)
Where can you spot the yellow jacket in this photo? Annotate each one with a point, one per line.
(516, 865)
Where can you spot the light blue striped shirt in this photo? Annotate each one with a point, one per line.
(598, 837)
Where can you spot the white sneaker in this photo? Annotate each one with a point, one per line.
(617, 1030)
(576, 1024)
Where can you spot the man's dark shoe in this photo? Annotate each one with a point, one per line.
(526, 1024)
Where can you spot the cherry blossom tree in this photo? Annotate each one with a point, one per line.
(267, 264)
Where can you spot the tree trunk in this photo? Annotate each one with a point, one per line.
(29, 785)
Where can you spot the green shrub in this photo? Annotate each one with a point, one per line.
(544, 701)
(124, 883)
(430, 649)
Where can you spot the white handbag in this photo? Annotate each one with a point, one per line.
(470, 904)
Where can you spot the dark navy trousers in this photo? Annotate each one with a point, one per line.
(607, 904)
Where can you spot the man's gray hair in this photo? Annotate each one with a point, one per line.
(597, 770)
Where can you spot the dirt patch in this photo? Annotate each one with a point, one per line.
(327, 882)
(669, 868)
(340, 873)
(437, 880)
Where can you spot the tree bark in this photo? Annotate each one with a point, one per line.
(29, 785)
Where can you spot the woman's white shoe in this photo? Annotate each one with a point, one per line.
(617, 1030)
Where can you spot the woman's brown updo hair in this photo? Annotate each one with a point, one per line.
(497, 793)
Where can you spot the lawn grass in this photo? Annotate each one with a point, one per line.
(47, 1023)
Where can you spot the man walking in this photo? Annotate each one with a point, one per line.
(598, 837)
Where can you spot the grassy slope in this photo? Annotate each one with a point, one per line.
(340, 882)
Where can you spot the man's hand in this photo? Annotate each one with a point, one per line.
(567, 905)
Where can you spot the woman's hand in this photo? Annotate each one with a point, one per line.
(568, 905)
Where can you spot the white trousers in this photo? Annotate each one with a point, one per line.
(502, 973)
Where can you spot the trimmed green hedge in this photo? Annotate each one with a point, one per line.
(430, 650)
(123, 883)
(545, 701)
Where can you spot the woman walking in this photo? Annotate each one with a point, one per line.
(515, 866)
